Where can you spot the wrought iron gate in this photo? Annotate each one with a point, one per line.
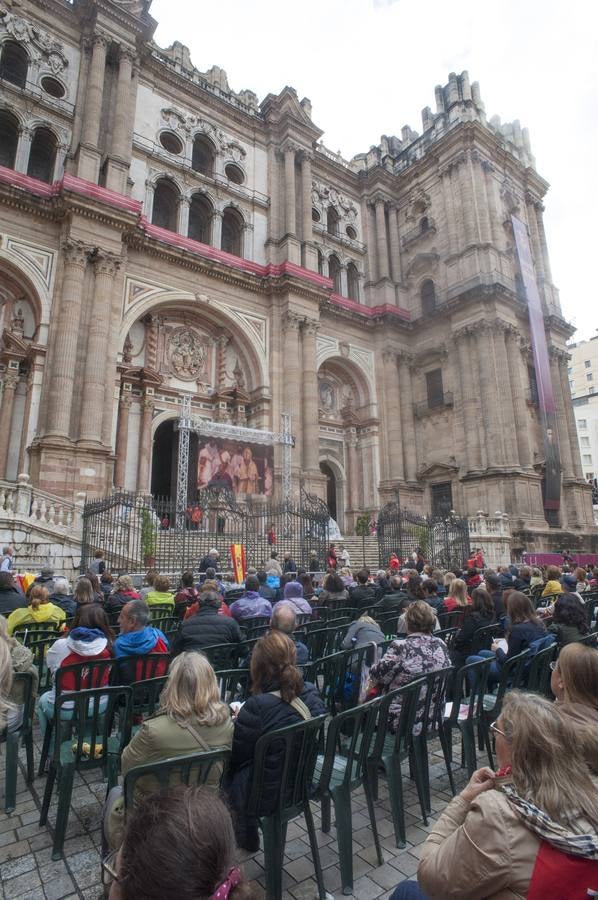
(443, 540)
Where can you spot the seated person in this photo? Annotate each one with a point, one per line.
(265, 591)
(569, 619)
(457, 596)
(186, 595)
(430, 590)
(494, 588)
(362, 632)
(161, 594)
(420, 652)
(524, 627)
(251, 603)
(480, 616)
(293, 597)
(553, 583)
(206, 627)
(334, 591)
(160, 854)
(122, 594)
(523, 831)
(21, 660)
(205, 586)
(137, 638)
(39, 610)
(279, 698)
(11, 597)
(395, 598)
(574, 683)
(363, 594)
(62, 597)
(90, 638)
(284, 619)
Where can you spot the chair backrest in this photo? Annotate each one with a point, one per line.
(538, 674)
(233, 594)
(429, 714)
(99, 724)
(337, 604)
(195, 769)
(408, 694)
(159, 610)
(234, 684)
(470, 684)
(511, 676)
(295, 748)
(34, 630)
(127, 669)
(451, 619)
(222, 656)
(22, 684)
(303, 618)
(448, 635)
(254, 626)
(547, 600)
(84, 676)
(146, 695)
(39, 644)
(316, 642)
(353, 731)
(483, 637)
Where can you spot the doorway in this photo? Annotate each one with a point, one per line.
(165, 453)
(326, 470)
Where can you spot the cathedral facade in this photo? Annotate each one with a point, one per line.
(163, 236)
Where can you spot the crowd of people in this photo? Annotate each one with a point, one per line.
(539, 806)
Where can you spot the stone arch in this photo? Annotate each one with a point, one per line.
(203, 153)
(167, 196)
(29, 282)
(201, 213)
(329, 460)
(214, 315)
(42, 154)
(15, 60)
(350, 365)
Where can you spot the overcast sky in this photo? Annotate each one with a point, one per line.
(370, 66)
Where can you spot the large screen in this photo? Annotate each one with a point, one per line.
(238, 466)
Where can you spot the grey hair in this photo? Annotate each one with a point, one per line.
(138, 610)
(284, 619)
(61, 585)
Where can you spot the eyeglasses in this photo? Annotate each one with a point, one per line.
(493, 727)
(554, 665)
(109, 873)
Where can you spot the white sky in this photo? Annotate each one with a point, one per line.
(370, 66)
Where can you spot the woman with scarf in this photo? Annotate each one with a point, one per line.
(529, 830)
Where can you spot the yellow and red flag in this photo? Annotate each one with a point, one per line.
(237, 555)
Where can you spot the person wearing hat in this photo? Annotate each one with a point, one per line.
(293, 597)
(46, 578)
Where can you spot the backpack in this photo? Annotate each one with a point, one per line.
(557, 876)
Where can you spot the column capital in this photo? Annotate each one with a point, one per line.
(127, 53)
(106, 263)
(75, 253)
(404, 358)
(306, 156)
(310, 327)
(289, 146)
(10, 381)
(376, 200)
(463, 333)
(291, 322)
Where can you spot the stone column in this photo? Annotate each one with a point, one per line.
(518, 393)
(122, 435)
(352, 467)
(306, 180)
(394, 422)
(395, 245)
(449, 205)
(289, 183)
(95, 90)
(561, 417)
(481, 200)
(145, 442)
(183, 219)
(381, 242)
(9, 388)
(492, 204)
(122, 110)
(98, 338)
(534, 236)
(311, 448)
(344, 291)
(467, 203)
(292, 382)
(23, 150)
(488, 396)
(217, 229)
(505, 400)
(469, 399)
(542, 241)
(406, 389)
(148, 206)
(66, 337)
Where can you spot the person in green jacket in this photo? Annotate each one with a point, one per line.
(39, 610)
(161, 594)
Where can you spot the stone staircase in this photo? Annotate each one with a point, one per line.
(362, 551)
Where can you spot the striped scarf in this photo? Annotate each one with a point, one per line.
(583, 845)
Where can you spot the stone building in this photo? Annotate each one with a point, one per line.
(163, 235)
(583, 380)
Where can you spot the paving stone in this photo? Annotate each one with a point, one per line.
(58, 887)
(17, 867)
(386, 876)
(23, 884)
(366, 889)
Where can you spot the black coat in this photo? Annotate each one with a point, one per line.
(258, 715)
(289, 565)
(205, 628)
(11, 599)
(66, 602)
(464, 638)
(395, 600)
(208, 562)
(362, 596)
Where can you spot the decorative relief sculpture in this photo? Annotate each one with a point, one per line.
(323, 196)
(41, 45)
(187, 354)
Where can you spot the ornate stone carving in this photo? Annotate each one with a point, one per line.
(75, 253)
(419, 202)
(327, 396)
(510, 198)
(41, 45)
(128, 350)
(324, 196)
(186, 353)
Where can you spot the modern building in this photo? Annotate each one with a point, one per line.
(163, 235)
(583, 380)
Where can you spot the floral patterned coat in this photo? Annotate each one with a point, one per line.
(404, 660)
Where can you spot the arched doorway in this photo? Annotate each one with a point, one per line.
(326, 470)
(165, 459)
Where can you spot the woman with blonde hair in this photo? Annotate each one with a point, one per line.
(21, 659)
(39, 610)
(529, 830)
(574, 683)
(457, 597)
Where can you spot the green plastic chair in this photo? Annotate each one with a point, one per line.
(39, 645)
(222, 656)
(591, 605)
(146, 698)
(483, 637)
(448, 635)
(296, 749)
(234, 684)
(127, 669)
(539, 672)
(94, 742)
(12, 739)
(253, 626)
(467, 711)
(160, 611)
(453, 619)
(339, 773)
(193, 770)
(389, 750)
(35, 631)
(511, 676)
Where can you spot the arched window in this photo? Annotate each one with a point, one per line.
(353, 282)
(320, 263)
(165, 212)
(428, 297)
(332, 219)
(202, 158)
(14, 63)
(9, 138)
(232, 232)
(200, 219)
(334, 272)
(42, 155)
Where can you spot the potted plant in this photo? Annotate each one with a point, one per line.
(362, 528)
(148, 539)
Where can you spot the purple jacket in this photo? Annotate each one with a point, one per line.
(299, 604)
(249, 605)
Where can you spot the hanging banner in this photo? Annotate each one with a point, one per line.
(552, 479)
(237, 555)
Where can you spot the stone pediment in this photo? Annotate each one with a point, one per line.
(438, 470)
(142, 375)
(14, 346)
(286, 106)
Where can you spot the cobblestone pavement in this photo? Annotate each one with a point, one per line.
(28, 872)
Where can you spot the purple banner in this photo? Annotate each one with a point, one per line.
(552, 477)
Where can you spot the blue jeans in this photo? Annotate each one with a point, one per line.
(493, 674)
(407, 890)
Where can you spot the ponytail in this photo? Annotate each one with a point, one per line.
(291, 683)
(39, 594)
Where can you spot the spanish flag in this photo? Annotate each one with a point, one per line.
(237, 555)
